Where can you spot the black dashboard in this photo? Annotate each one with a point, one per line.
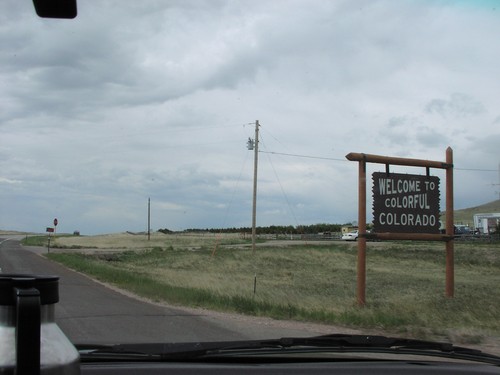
(358, 367)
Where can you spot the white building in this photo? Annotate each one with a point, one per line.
(486, 223)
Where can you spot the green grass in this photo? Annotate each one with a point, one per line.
(405, 283)
(54, 241)
(35, 241)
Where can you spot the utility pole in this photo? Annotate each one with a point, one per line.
(498, 180)
(255, 146)
(149, 219)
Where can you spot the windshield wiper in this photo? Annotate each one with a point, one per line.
(285, 345)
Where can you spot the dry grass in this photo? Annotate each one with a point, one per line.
(140, 241)
(405, 281)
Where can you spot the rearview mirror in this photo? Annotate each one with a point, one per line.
(55, 8)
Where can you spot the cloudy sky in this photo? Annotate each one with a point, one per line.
(157, 99)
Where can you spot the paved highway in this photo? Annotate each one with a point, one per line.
(89, 312)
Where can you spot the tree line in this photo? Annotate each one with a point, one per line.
(272, 229)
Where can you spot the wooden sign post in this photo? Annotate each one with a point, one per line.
(407, 208)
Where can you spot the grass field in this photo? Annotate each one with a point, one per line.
(124, 241)
(309, 282)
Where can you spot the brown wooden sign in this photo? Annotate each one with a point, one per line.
(405, 203)
(424, 190)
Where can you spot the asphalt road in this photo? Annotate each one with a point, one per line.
(89, 312)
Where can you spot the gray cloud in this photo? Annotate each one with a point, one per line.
(458, 105)
(135, 100)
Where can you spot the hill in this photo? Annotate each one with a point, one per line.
(465, 216)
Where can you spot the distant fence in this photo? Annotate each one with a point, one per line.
(327, 236)
(478, 238)
(297, 236)
(266, 236)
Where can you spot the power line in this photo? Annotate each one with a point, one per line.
(475, 169)
(281, 186)
(302, 156)
(337, 159)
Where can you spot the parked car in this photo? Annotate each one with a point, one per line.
(350, 236)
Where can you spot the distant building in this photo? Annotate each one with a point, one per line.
(348, 228)
(486, 223)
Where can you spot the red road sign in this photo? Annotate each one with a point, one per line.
(55, 222)
(50, 230)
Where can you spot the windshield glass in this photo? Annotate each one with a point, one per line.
(188, 160)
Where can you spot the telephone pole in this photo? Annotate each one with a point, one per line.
(498, 181)
(149, 219)
(254, 145)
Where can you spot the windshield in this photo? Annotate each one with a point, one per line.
(181, 166)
